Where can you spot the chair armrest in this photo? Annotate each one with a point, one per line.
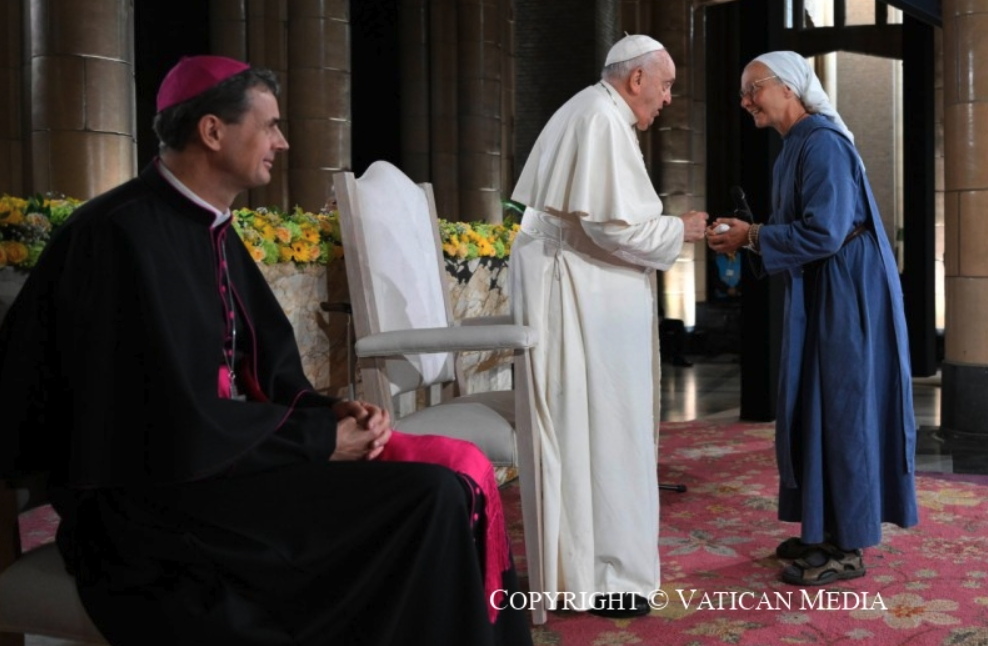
(500, 319)
(447, 339)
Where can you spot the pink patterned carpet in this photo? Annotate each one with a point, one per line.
(719, 571)
(925, 586)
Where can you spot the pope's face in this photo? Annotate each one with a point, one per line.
(656, 80)
(250, 146)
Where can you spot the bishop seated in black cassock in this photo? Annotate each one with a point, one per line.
(207, 494)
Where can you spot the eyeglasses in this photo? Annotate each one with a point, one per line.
(754, 86)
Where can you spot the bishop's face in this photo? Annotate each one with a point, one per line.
(250, 146)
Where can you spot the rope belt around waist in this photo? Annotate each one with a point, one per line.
(858, 230)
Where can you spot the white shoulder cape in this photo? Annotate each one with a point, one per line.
(587, 163)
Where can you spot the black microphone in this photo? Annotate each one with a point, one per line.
(742, 209)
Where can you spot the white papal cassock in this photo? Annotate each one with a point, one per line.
(582, 273)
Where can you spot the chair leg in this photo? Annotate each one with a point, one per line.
(530, 477)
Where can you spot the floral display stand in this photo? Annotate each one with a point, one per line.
(478, 287)
(300, 290)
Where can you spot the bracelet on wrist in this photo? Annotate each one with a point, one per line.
(753, 238)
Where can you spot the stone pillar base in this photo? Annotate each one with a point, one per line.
(964, 407)
(964, 415)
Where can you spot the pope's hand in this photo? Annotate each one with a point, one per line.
(694, 225)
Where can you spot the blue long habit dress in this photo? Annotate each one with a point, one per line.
(845, 430)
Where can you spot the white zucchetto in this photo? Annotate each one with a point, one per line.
(632, 47)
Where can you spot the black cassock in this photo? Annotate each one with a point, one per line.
(192, 518)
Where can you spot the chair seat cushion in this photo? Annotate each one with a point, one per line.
(38, 597)
(486, 419)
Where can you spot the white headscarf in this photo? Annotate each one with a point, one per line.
(796, 72)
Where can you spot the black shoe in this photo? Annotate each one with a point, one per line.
(619, 605)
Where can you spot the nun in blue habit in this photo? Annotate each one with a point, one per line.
(845, 429)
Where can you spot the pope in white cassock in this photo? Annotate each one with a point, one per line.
(582, 273)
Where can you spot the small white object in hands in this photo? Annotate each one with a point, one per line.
(721, 228)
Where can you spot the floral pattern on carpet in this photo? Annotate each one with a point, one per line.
(925, 586)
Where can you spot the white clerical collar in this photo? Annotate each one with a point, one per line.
(619, 103)
(220, 216)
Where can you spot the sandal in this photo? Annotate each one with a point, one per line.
(794, 548)
(824, 565)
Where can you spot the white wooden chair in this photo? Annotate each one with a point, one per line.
(407, 339)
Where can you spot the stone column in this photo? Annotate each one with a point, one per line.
(414, 46)
(228, 28)
(81, 55)
(636, 18)
(12, 160)
(549, 73)
(267, 46)
(508, 161)
(479, 99)
(318, 98)
(444, 126)
(677, 149)
(254, 31)
(228, 37)
(964, 408)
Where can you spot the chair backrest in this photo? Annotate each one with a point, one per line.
(396, 273)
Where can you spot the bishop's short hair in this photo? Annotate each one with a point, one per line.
(177, 125)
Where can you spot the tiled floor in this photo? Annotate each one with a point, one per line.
(711, 387)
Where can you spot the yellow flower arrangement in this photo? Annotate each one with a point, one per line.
(468, 240)
(26, 226)
(298, 236)
(271, 236)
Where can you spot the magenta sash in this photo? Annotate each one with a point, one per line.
(465, 459)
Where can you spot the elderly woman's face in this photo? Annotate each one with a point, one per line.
(761, 95)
